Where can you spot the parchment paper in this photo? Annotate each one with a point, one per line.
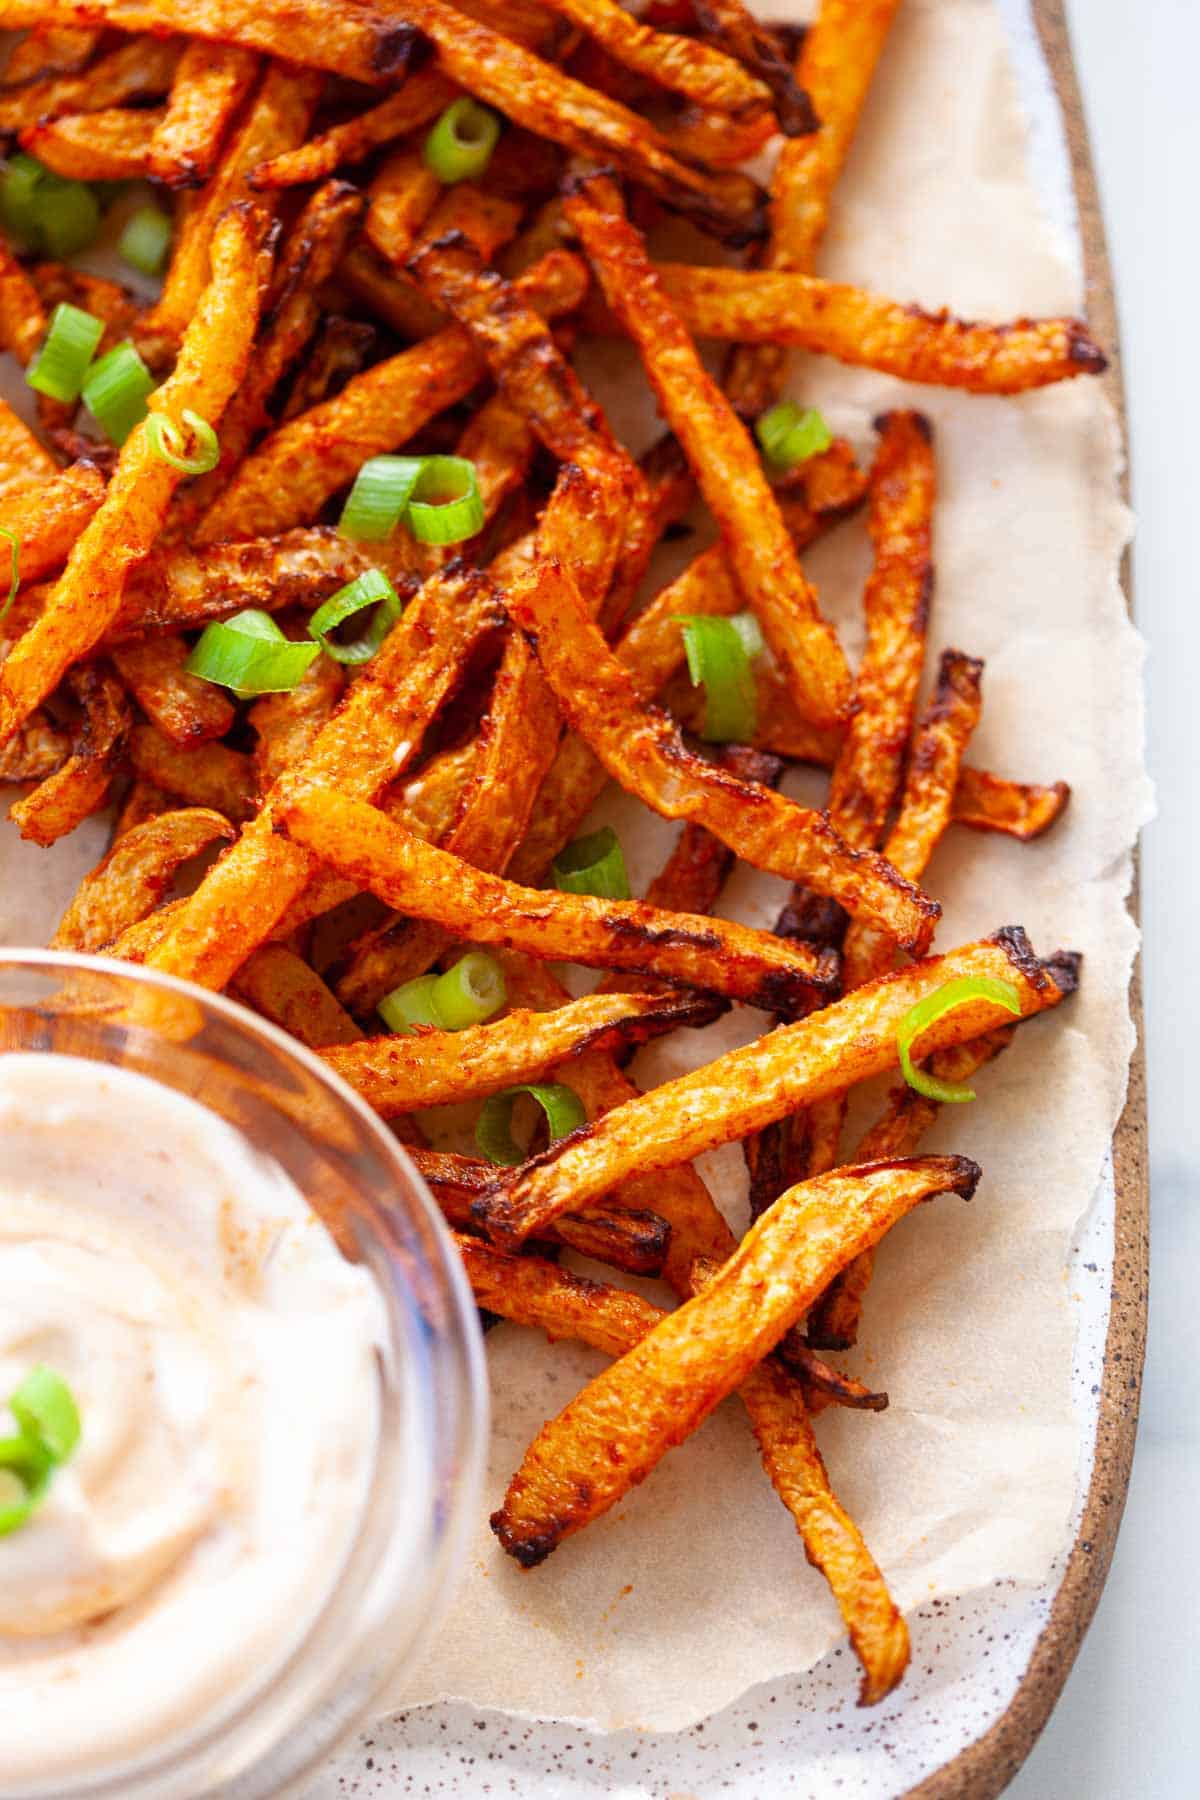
(696, 1587)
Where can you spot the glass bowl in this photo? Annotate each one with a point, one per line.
(426, 1479)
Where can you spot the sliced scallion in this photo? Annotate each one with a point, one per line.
(369, 589)
(719, 653)
(250, 654)
(377, 501)
(68, 216)
(409, 1005)
(594, 864)
(467, 994)
(445, 505)
(171, 443)
(62, 362)
(790, 435)
(115, 390)
(561, 1106)
(146, 240)
(935, 1006)
(460, 145)
(49, 1431)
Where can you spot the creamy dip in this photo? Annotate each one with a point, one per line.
(224, 1357)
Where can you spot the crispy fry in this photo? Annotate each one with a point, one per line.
(424, 882)
(832, 1541)
(530, 1291)
(363, 746)
(357, 42)
(281, 986)
(22, 315)
(24, 462)
(341, 350)
(423, 96)
(988, 802)
(517, 742)
(749, 1088)
(37, 750)
(130, 882)
(722, 456)
(286, 725)
(642, 750)
(113, 145)
(277, 118)
(290, 315)
(686, 66)
(137, 941)
(139, 69)
(771, 307)
(391, 296)
(77, 789)
(633, 1241)
(730, 24)
(143, 801)
(433, 1068)
(210, 84)
(180, 587)
(836, 63)
(49, 50)
(401, 197)
(87, 597)
(613, 1433)
(540, 97)
(184, 708)
(292, 474)
(210, 775)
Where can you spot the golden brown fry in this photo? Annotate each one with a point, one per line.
(37, 750)
(130, 882)
(633, 1241)
(832, 1541)
(24, 462)
(730, 24)
(49, 50)
(281, 986)
(836, 63)
(390, 296)
(516, 744)
(416, 879)
(290, 313)
(435, 1068)
(278, 116)
(139, 69)
(113, 145)
(364, 745)
(79, 788)
(341, 350)
(210, 775)
(359, 42)
(143, 802)
(530, 1291)
(725, 462)
(685, 66)
(184, 708)
(642, 750)
(749, 1088)
(401, 197)
(48, 519)
(212, 360)
(180, 587)
(540, 97)
(613, 1433)
(287, 480)
(759, 306)
(210, 84)
(22, 315)
(137, 941)
(420, 100)
(286, 725)
(989, 802)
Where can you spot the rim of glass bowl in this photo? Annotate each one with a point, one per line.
(325, 1684)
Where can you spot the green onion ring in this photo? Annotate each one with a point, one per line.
(790, 436)
(457, 516)
(243, 654)
(459, 147)
(168, 441)
(561, 1105)
(594, 864)
(372, 588)
(952, 994)
(719, 660)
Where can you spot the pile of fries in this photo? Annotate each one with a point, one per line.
(333, 294)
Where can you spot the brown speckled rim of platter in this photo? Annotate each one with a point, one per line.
(990, 1763)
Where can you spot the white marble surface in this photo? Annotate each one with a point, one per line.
(1128, 1724)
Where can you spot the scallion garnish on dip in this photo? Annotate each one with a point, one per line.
(934, 1007)
(48, 1430)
